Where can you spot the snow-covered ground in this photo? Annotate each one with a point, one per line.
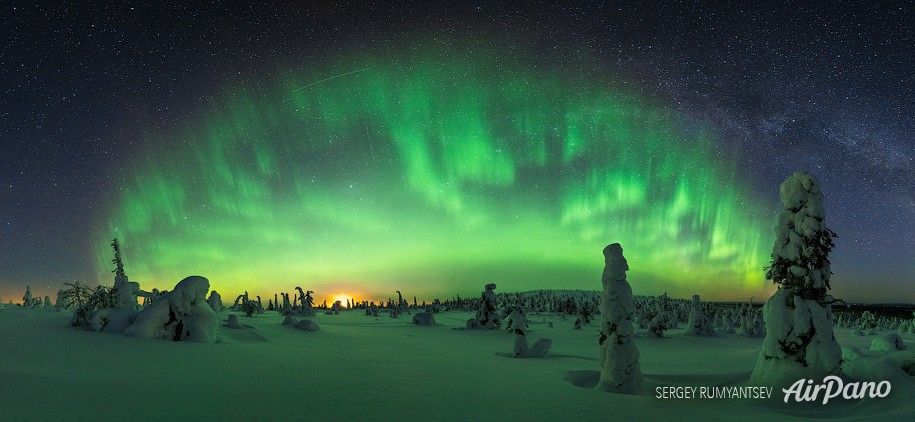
(365, 368)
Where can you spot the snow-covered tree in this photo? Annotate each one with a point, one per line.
(27, 297)
(800, 257)
(63, 302)
(487, 316)
(518, 323)
(698, 324)
(124, 291)
(181, 314)
(753, 326)
(619, 358)
(78, 295)
(867, 324)
(215, 301)
(799, 339)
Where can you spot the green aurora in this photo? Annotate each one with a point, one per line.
(434, 175)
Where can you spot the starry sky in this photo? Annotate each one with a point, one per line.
(432, 148)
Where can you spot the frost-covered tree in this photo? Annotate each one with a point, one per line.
(867, 324)
(698, 324)
(215, 301)
(800, 257)
(487, 316)
(63, 301)
(77, 294)
(306, 303)
(182, 314)
(620, 371)
(27, 297)
(799, 339)
(518, 323)
(753, 326)
(124, 291)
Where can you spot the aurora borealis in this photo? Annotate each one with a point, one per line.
(432, 147)
(436, 174)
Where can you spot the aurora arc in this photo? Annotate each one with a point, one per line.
(433, 176)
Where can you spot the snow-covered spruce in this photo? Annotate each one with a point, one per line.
(124, 291)
(182, 314)
(63, 301)
(215, 301)
(487, 316)
(753, 325)
(867, 324)
(799, 339)
(539, 349)
(119, 309)
(698, 324)
(306, 303)
(660, 323)
(27, 297)
(619, 358)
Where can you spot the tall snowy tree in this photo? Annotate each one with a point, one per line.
(799, 339)
(27, 297)
(123, 291)
(119, 265)
(620, 371)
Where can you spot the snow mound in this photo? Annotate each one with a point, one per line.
(424, 318)
(307, 325)
(888, 343)
(113, 320)
(233, 322)
(182, 314)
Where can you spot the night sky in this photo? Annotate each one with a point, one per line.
(433, 148)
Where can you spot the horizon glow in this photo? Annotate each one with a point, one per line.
(435, 175)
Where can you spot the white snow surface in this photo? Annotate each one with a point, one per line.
(359, 367)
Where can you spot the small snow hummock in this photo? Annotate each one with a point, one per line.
(888, 343)
(182, 314)
(424, 318)
(233, 322)
(619, 358)
(307, 325)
